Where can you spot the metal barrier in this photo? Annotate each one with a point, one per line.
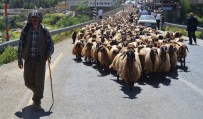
(61, 30)
(200, 29)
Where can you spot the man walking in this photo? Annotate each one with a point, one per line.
(191, 28)
(100, 14)
(35, 48)
(158, 20)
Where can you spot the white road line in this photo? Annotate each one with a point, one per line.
(192, 86)
(56, 61)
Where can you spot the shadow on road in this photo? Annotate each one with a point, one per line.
(154, 80)
(126, 89)
(77, 60)
(29, 113)
(183, 69)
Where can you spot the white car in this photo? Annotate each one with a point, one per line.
(147, 20)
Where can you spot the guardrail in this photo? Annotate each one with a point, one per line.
(61, 30)
(182, 26)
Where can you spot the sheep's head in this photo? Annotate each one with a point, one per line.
(130, 56)
(79, 44)
(172, 49)
(115, 51)
(153, 54)
(163, 50)
(114, 42)
(101, 48)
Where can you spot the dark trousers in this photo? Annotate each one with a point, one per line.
(100, 17)
(191, 35)
(34, 75)
(158, 24)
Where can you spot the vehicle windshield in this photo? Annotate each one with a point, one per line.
(147, 17)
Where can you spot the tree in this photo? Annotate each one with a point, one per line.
(185, 7)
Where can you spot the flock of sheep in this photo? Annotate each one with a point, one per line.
(132, 51)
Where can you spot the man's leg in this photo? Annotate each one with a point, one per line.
(194, 37)
(190, 37)
(39, 77)
(29, 75)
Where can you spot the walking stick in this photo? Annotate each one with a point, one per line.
(51, 84)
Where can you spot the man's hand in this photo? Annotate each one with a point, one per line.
(20, 65)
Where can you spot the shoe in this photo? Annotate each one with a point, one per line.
(190, 43)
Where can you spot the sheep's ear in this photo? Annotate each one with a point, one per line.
(124, 55)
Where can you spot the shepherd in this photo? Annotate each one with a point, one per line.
(35, 48)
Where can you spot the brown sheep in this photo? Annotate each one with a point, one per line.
(181, 52)
(77, 49)
(164, 65)
(86, 51)
(103, 57)
(151, 61)
(130, 67)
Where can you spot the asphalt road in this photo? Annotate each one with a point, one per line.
(81, 91)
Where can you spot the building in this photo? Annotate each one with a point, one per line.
(196, 1)
(91, 3)
(62, 6)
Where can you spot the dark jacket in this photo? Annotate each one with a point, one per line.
(45, 44)
(192, 24)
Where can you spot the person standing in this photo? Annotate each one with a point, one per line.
(158, 19)
(100, 14)
(162, 21)
(74, 36)
(192, 23)
(35, 48)
(131, 17)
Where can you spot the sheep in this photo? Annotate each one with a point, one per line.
(86, 51)
(130, 67)
(164, 65)
(181, 52)
(115, 62)
(103, 57)
(113, 52)
(151, 61)
(172, 54)
(77, 49)
(142, 53)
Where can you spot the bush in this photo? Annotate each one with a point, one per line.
(8, 55)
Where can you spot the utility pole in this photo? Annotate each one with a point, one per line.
(95, 10)
(6, 18)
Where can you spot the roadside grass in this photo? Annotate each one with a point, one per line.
(8, 55)
(199, 35)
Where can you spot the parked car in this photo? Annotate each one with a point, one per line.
(147, 20)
